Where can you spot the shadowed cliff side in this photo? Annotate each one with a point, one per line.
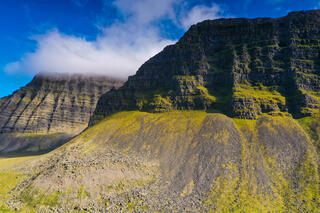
(177, 161)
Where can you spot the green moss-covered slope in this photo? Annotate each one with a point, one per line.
(174, 161)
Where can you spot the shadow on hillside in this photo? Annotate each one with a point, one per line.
(31, 146)
(21, 154)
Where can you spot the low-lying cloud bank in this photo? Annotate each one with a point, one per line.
(121, 48)
(59, 53)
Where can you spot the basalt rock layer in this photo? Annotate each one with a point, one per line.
(51, 104)
(240, 67)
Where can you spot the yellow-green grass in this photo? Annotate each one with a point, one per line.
(226, 189)
(126, 123)
(9, 178)
(8, 181)
(259, 93)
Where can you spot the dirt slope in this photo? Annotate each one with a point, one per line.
(178, 161)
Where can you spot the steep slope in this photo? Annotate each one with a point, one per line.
(58, 105)
(178, 161)
(241, 67)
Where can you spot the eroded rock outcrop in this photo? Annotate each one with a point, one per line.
(241, 67)
(50, 104)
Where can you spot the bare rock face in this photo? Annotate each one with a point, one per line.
(240, 67)
(53, 104)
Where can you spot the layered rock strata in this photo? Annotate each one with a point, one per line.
(240, 67)
(52, 104)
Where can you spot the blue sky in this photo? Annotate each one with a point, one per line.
(112, 37)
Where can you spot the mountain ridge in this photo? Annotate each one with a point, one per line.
(52, 104)
(240, 67)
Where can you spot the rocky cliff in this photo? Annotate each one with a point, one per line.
(240, 67)
(54, 104)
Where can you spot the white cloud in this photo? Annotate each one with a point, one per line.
(120, 49)
(200, 13)
(147, 11)
(58, 53)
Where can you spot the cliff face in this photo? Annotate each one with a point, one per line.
(240, 67)
(51, 104)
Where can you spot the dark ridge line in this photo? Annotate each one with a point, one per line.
(14, 111)
(5, 104)
(3, 101)
(93, 97)
(293, 90)
(73, 101)
(27, 105)
(54, 109)
(83, 89)
(33, 111)
(92, 101)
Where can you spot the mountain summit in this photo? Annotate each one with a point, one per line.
(240, 67)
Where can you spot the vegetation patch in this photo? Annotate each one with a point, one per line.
(8, 181)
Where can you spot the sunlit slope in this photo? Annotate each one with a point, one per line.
(182, 161)
(9, 179)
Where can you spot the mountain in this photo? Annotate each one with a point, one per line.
(226, 120)
(239, 67)
(55, 105)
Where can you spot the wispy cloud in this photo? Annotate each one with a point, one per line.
(120, 48)
(147, 11)
(200, 13)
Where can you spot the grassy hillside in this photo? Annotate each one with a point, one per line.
(175, 161)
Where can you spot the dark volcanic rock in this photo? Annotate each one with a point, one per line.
(51, 104)
(241, 67)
